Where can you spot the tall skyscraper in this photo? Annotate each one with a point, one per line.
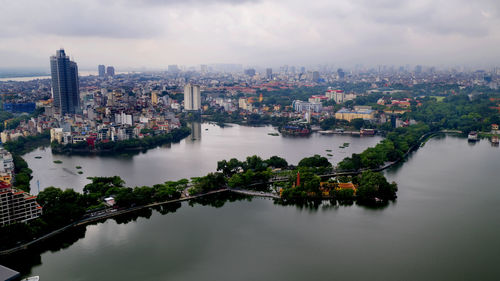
(102, 70)
(65, 85)
(110, 71)
(315, 76)
(340, 73)
(192, 97)
(269, 73)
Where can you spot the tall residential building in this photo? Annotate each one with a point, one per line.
(269, 73)
(110, 71)
(315, 76)
(65, 85)
(102, 70)
(340, 73)
(192, 97)
(15, 205)
(154, 97)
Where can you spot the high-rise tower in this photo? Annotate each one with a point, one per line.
(65, 85)
(102, 70)
(192, 97)
(110, 71)
(269, 73)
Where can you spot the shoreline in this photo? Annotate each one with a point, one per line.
(112, 214)
(86, 221)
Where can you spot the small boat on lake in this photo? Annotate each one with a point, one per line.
(472, 136)
(34, 278)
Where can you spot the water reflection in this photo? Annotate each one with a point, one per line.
(439, 222)
(195, 127)
(189, 158)
(219, 199)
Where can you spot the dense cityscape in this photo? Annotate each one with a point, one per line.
(346, 140)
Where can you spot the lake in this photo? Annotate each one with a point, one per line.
(194, 156)
(443, 226)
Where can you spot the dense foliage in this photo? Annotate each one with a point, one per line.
(18, 147)
(26, 144)
(392, 148)
(315, 161)
(62, 207)
(370, 188)
(373, 186)
(459, 112)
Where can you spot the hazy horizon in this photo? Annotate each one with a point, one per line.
(151, 34)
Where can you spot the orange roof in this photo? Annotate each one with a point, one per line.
(348, 185)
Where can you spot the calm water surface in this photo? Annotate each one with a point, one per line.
(444, 226)
(189, 158)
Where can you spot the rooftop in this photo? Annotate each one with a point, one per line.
(345, 110)
(7, 273)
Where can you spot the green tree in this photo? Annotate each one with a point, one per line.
(358, 123)
(276, 162)
(314, 161)
(374, 185)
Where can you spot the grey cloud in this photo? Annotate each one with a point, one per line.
(187, 2)
(443, 17)
(98, 26)
(76, 19)
(156, 32)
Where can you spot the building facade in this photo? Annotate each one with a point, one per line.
(16, 206)
(110, 71)
(192, 97)
(65, 84)
(269, 73)
(361, 112)
(303, 106)
(102, 70)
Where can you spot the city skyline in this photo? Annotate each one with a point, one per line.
(153, 34)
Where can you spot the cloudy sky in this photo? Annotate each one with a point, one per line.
(155, 33)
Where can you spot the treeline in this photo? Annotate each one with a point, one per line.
(22, 173)
(252, 173)
(392, 148)
(62, 207)
(26, 144)
(125, 145)
(459, 112)
(309, 183)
